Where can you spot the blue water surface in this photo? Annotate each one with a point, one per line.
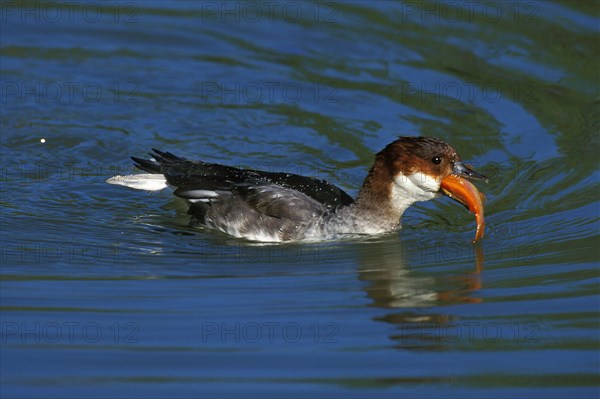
(110, 292)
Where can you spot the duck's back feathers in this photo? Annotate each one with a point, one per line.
(188, 176)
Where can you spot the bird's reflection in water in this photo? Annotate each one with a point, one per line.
(414, 297)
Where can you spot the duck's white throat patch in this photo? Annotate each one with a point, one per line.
(408, 189)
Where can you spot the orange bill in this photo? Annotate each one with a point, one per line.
(467, 194)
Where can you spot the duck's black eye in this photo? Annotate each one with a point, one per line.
(436, 160)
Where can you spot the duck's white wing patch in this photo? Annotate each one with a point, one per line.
(197, 194)
(144, 181)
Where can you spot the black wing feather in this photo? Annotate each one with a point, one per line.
(183, 173)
